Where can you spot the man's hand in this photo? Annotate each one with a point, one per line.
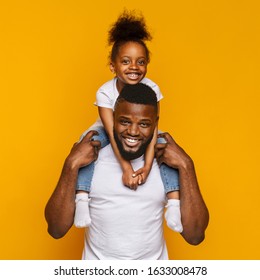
(84, 152)
(170, 153)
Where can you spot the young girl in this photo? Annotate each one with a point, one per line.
(128, 61)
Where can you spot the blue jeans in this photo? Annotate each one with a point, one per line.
(86, 173)
(170, 176)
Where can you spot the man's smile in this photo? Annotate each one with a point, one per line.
(131, 142)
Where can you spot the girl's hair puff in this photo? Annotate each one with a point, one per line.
(130, 26)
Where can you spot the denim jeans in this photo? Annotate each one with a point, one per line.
(170, 176)
(86, 173)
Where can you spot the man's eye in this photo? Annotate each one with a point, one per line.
(144, 125)
(124, 122)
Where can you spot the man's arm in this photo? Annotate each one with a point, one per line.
(194, 213)
(59, 211)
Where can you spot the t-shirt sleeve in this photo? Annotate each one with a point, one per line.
(154, 86)
(103, 99)
(157, 90)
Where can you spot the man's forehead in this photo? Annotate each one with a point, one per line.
(123, 104)
(133, 109)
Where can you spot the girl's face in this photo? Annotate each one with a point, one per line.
(130, 65)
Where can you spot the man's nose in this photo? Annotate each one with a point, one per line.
(133, 130)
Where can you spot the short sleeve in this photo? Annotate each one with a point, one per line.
(103, 99)
(154, 86)
(105, 96)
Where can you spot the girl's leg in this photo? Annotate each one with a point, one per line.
(173, 214)
(85, 175)
(82, 218)
(170, 178)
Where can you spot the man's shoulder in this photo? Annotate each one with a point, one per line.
(107, 154)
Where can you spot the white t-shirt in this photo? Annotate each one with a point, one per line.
(126, 224)
(107, 94)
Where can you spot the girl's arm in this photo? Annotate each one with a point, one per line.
(106, 115)
(149, 157)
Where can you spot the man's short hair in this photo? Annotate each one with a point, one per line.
(138, 94)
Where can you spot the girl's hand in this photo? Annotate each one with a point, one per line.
(130, 181)
(141, 174)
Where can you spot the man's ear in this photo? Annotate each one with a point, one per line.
(157, 121)
(112, 67)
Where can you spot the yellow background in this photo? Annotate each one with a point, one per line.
(205, 58)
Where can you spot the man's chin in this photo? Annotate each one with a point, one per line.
(130, 150)
(130, 153)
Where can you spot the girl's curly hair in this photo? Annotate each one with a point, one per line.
(130, 26)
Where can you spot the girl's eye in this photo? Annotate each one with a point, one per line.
(141, 62)
(125, 61)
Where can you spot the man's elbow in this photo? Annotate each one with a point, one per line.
(193, 237)
(196, 234)
(195, 240)
(55, 233)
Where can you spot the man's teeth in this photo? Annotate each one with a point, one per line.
(131, 140)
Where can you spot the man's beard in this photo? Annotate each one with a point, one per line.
(131, 155)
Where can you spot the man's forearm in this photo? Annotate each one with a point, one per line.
(59, 211)
(194, 212)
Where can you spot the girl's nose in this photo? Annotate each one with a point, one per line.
(133, 65)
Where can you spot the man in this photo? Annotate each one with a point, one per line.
(127, 224)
